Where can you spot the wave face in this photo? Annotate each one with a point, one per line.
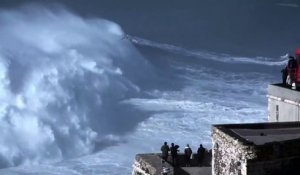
(55, 68)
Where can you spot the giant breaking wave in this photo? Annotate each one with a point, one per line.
(57, 70)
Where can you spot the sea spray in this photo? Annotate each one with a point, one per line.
(55, 68)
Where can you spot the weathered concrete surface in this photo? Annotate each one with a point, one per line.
(229, 154)
(283, 104)
(197, 170)
(279, 166)
(262, 136)
(236, 153)
(284, 92)
(152, 164)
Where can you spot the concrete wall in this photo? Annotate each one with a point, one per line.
(280, 110)
(233, 155)
(150, 164)
(229, 154)
(280, 166)
(276, 158)
(283, 104)
(284, 92)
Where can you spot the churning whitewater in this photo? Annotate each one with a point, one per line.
(54, 69)
(80, 97)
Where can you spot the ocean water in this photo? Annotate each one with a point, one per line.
(86, 86)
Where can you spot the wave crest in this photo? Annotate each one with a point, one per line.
(55, 68)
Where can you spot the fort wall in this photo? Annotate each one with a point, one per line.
(240, 150)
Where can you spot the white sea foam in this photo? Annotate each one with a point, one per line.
(292, 5)
(54, 68)
(208, 98)
(207, 55)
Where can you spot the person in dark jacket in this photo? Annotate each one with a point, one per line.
(174, 151)
(289, 71)
(200, 154)
(187, 154)
(284, 75)
(165, 151)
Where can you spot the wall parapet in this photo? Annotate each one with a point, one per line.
(261, 148)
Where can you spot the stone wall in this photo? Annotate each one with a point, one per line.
(230, 155)
(276, 158)
(279, 166)
(233, 155)
(150, 164)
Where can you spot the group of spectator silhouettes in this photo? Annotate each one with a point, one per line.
(188, 154)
